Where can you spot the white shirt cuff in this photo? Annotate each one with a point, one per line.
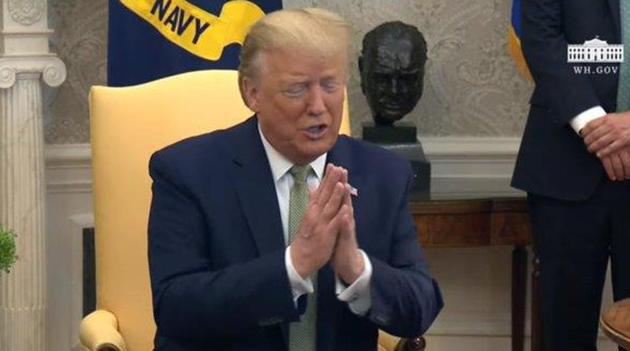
(357, 295)
(580, 121)
(299, 285)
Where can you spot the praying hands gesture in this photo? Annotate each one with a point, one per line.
(327, 231)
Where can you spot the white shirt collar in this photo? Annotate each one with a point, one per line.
(280, 165)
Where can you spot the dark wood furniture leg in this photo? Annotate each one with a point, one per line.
(412, 344)
(519, 293)
(536, 323)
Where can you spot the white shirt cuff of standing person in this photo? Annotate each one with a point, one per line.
(357, 295)
(580, 121)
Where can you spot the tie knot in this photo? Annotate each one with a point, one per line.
(300, 173)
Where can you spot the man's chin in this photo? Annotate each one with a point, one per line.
(317, 148)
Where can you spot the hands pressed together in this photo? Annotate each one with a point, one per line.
(609, 138)
(327, 231)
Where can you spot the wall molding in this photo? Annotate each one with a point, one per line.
(471, 167)
(68, 168)
(461, 166)
(479, 147)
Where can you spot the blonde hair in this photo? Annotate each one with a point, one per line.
(315, 31)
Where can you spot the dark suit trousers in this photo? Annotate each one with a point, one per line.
(574, 241)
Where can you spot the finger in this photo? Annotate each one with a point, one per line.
(308, 222)
(347, 224)
(593, 134)
(347, 200)
(625, 160)
(611, 148)
(595, 145)
(592, 125)
(312, 207)
(609, 168)
(344, 180)
(334, 226)
(596, 134)
(312, 195)
(327, 185)
(617, 167)
(331, 208)
(344, 175)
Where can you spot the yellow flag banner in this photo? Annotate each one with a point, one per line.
(194, 29)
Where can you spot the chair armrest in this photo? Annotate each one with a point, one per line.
(99, 332)
(388, 342)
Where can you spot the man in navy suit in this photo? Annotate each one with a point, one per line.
(277, 233)
(575, 165)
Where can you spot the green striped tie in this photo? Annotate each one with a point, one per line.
(302, 334)
(623, 91)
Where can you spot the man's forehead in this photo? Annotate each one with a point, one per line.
(289, 64)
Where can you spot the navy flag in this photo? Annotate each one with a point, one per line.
(151, 39)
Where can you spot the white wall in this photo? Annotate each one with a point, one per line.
(475, 282)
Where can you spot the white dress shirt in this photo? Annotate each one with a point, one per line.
(356, 295)
(580, 121)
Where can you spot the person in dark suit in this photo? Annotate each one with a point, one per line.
(256, 241)
(579, 197)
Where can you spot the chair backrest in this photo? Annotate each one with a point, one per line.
(127, 125)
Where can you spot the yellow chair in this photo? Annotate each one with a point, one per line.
(127, 126)
(615, 322)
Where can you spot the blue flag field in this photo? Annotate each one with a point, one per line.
(151, 39)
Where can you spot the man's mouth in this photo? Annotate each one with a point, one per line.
(316, 131)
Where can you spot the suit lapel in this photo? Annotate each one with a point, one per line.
(615, 11)
(257, 194)
(256, 190)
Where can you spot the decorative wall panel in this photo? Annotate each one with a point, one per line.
(471, 85)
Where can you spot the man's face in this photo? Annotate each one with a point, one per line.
(299, 101)
(392, 79)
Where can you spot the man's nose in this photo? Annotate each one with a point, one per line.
(316, 104)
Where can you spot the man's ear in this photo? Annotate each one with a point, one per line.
(251, 93)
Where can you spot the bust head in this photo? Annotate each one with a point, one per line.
(392, 70)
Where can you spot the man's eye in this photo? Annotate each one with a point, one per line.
(330, 87)
(295, 90)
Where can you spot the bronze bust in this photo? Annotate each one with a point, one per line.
(392, 70)
(392, 64)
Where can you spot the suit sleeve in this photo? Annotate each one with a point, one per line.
(192, 301)
(545, 48)
(405, 299)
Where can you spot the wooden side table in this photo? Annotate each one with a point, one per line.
(615, 323)
(486, 222)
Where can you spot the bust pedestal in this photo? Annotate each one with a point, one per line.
(401, 140)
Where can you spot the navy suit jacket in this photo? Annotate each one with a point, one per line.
(216, 249)
(553, 160)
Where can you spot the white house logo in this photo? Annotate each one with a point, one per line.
(595, 51)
